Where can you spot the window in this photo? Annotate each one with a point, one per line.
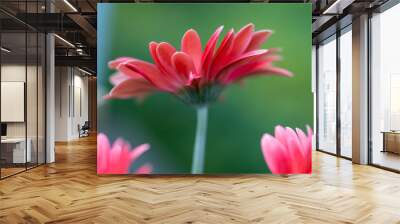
(327, 95)
(346, 92)
(385, 89)
(22, 78)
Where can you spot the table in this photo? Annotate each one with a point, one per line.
(19, 155)
(391, 141)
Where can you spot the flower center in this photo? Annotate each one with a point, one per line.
(202, 96)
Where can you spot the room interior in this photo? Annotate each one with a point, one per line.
(385, 87)
(22, 102)
(72, 107)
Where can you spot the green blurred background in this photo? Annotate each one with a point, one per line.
(236, 123)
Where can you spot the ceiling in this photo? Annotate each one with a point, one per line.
(75, 21)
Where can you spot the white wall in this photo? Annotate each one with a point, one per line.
(71, 102)
(16, 73)
(12, 101)
(12, 73)
(61, 103)
(80, 110)
(33, 127)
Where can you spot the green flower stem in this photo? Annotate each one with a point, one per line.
(200, 141)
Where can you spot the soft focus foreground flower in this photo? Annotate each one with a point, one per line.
(117, 159)
(289, 152)
(196, 75)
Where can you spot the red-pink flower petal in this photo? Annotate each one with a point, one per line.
(242, 40)
(138, 151)
(152, 49)
(221, 55)
(305, 145)
(103, 146)
(256, 65)
(183, 64)
(309, 149)
(116, 164)
(303, 138)
(118, 77)
(248, 57)
(115, 63)
(289, 152)
(153, 52)
(117, 159)
(277, 71)
(298, 161)
(145, 169)
(191, 45)
(280, 134)
(275, 155)
(258, 39)
(209, 51)
(242, 70)
(224, 57)
(164, 53)
(147, 71)
(128, 88)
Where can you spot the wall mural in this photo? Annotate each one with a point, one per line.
(204, 88)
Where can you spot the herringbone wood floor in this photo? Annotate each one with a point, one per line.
(69, 191)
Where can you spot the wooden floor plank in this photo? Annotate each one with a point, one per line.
(69, 191)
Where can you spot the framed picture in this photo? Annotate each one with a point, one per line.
(204, 88)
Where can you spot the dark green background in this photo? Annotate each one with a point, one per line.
(236, 123)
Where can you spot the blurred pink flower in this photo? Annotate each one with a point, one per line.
(117, 159)
(195, 75)
(289, 152)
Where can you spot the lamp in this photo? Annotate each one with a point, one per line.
(70, 5)
(5, 49)
(64, 40)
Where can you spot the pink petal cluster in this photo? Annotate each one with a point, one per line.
(289, 152)
(117, 159)
(192, 68)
